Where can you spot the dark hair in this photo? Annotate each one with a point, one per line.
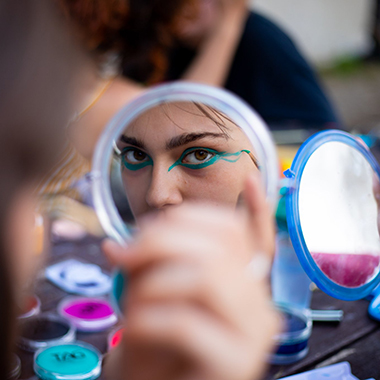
(139, 31)
(36, 64)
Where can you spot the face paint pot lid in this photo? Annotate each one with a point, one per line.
(68, 361)
(88, 313)
(15, 372)
(33, 307)
(292, 343)
(44, 330)
(114, 338)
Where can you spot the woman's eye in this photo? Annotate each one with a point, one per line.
(198, 156)
(135, 156)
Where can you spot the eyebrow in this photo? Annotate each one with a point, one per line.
(176, 141)
(186, 138)
(132, 141)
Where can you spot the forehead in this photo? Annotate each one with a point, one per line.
(170, 119)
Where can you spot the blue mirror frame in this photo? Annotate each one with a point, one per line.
(294, 175)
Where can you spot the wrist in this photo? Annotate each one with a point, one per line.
(230, 24)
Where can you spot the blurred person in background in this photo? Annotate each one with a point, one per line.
(218, 42)
(267, 70)
(136, 35)
(42, 75)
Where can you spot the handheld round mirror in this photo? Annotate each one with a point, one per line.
(178, 142)
(333, 214)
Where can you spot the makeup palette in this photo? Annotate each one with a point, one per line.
(114, 338)
(88, 314)
(292, 344)
(76, 360)
(44, 330)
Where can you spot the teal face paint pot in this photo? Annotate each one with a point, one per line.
(119, 282)
(68, 361)
(44, 330)
(88, 314)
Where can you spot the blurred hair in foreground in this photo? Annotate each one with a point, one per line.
(39, 71)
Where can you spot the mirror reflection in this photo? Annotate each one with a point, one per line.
(176, 152)
(339, 214)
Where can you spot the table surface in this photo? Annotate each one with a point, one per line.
(356, 339)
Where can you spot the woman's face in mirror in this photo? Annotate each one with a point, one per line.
(180, 152)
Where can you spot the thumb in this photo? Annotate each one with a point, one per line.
(260, 223)
(114, 252)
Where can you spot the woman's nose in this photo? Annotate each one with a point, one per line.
(164, 189)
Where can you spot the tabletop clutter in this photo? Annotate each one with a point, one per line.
(52, 336)
(91, 308)
(341, 275)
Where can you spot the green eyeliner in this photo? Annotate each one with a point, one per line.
(137, 166)
(217, 156)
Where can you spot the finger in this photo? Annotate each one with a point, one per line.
(260, 219)
(216, 235)
(221, 353)
(217, 287)
(114, 252)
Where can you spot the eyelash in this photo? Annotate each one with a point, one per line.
(201, 164)
(134, 166)
(213, 157)
(193, 151)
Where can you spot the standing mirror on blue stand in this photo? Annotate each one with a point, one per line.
(333, 214)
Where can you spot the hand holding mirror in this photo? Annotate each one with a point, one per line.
(175, 143)
(178, 142)
(185, 133)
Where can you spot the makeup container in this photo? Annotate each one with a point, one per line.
(45, 330)
(63, 230)
(32, 307)
(114, 338)
(68, 361)
(292, 344)
(15, 372)
(88, 314)
(74, 276)
(290, 284)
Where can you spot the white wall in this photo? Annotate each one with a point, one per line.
(325, 30)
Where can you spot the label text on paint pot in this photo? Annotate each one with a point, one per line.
(66, 355)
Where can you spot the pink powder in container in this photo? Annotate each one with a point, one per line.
(88, 314)
(349, 270)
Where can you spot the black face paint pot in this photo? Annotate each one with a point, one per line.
(43, 331)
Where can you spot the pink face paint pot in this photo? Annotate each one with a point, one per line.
(114, 338)
(88, 314)
(32, 307)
